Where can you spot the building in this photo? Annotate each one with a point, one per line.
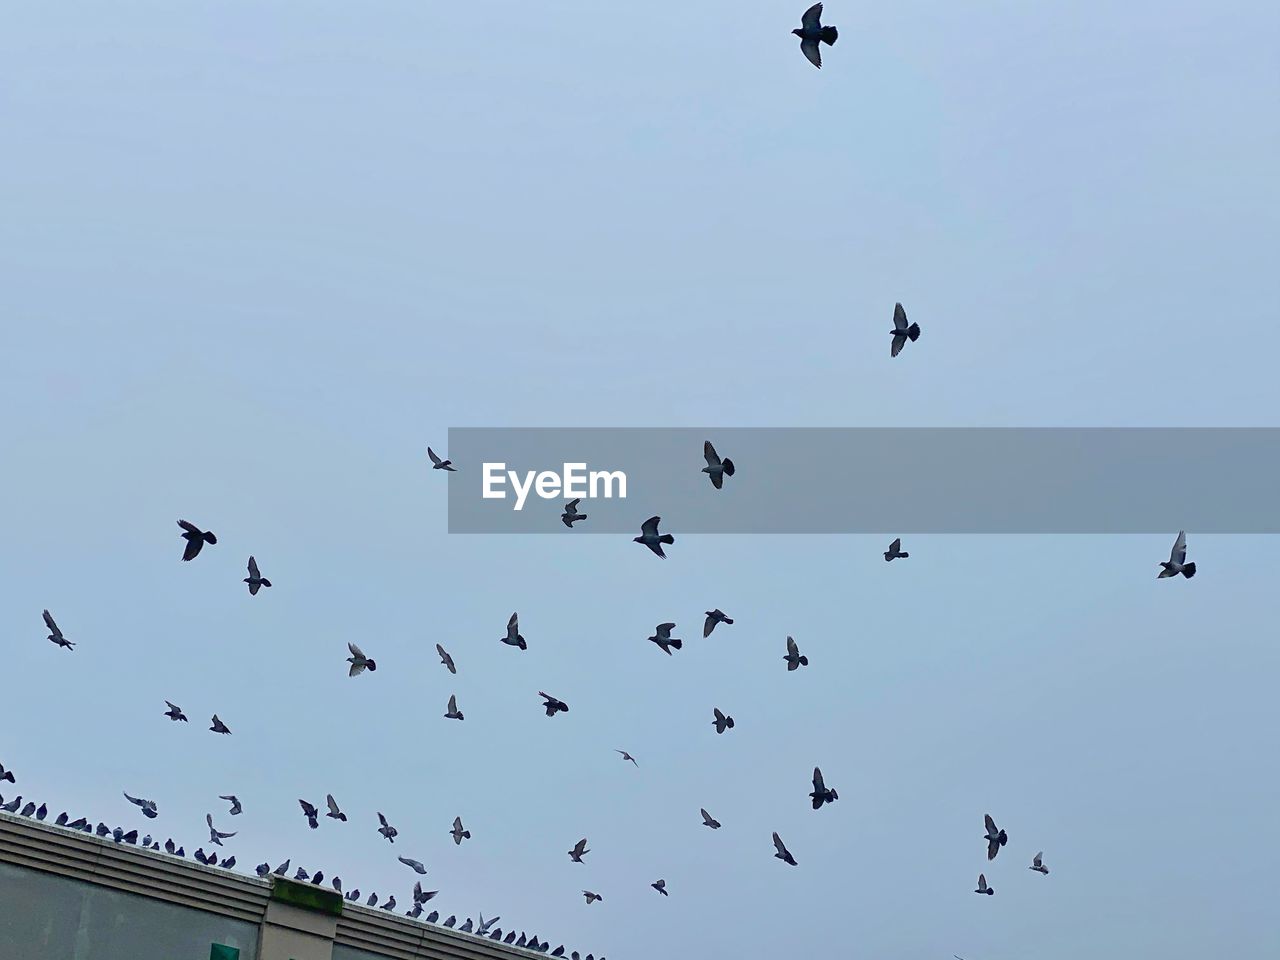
(65, 895)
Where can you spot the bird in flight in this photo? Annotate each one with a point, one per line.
(311, 813)
(437, 463)
(454, 713)
(820, 793)
(995, 838)
(716, 468)
(420, 895)
(196, 538)
(626, 756)
(571, 514)
(901, 332)
(387, 830)
(417, 866)
(215, 836)
(714, 617)
(359, 662)
(55, 635)
(552, 705)
(513, 638)
(175, 712)
(446, 659)
(148, 807)
(255, 579)
(783, 853)
(708, 820)
(458, 832)
(235, 804)
(6, 775)
(1176, 564)
(650, 537)
(334, 813)
(811, 32)
(895, 551)
(591, 897)
(982, 886)
(219, 726)
(794, 658)
(661, 887)
(662, 637)
(1037, 864)
(721, 722)
(579, 851)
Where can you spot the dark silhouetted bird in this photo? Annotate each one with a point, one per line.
(783, 853)
(175, 712)
(372, 901)
(660, 886)
(709, 820)
(1037, 864)
(30, 808)
(61, 821)
(417, 866)
(482, 928)
(218, 726)
(895, 551)
(579, 851)
(1176, 564)
(433, 916)
(414, 912)
(215, 837)
(901, 332)
(591, 897)
(627, 756)
(6, 774)
(995, 838)
(336, 883)
(55, 635)
(650, 537)
(359, 662)
(262, 869)
(387, 830)
(663, 638)
(352, 895)
(466, 926)
(453, 712)
(458, 833)
(820, 793)
(235, 804)
(982, 886)
(450, 921)
(420, 895)
(794, 658)
(390, 904)
(721, 722)
(437, 463)
(255, 579)
(714, 617)
(812, 32)
(148, 807)
(571, 514)
(228, 863)
(281, 870)
(334, 813)
(196, 539)
(552, 705)
(311, 813)
(317, 878)
(716, 468)
(41, 812)
(513, 638)
(446, 659)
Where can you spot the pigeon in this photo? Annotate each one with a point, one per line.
(281, 870)
(900, 332)
(552, 705)
(200, 856)
(6, 774)
(459, 834)
(255, 579)
(262, 869)
(228, 863)
(591, 897)
(148, 807)
(175, 712)
(235, 804)
(716, 468)
(438, 464)
(466, 926)
(372, 901)
(334, 813)
(721, 722)
(311, 813)
(820, 793)
(387, 830)
(794, 658)
(714, 617)
(510, 937)
(811, 32)
(390, 904)
(521, 941)
(626, 756)
(168, 846)
(482, 928)
(1176, 564)
(454, 713)
(513, 638)
(131, 837)
(496, 935)
(62, 820)
(414, 912)
(180, 852)
(102, 829)
(433, 916)
(336, 883)
(30, 808)
(446, 659)
(571, 514)
(417, 866)
(450, 922)
(982, 886)
(995, 838)
(661, 887)
(558, 951)
(215, 837)
(420, 895)
(219, 726)
(359, 662)
(579, 851)
(709, 820)
(80, 823)
(895, 551)
(650, 538)
(196, 539)
(663, 638)
(352, 895)
(1038, 865)
(55, 635)
(783, 853)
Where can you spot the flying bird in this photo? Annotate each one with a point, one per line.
(721, 722)
(579, 851)
(387, 830)
(716, 468)
(454, 713)
(437, 463)
(219, 726)
(591, 897)
(552, 705)
(235, 804)
(901, 332)
(661, 887)
(55, 635)
(148, 807)
(995, 838)
(175, 712)
(215, 836)
(334, 813)
(783, 853)
(1176, 564)
(458, 833)
(255, 579)
(650, 537)
(982, 886)
(794, 658)
(359, 662)
(420, 895)
(482, 928)
(196, 538)
(571, 514)
(709, 820)
(311, 813)
(626, 756)
(714, 617)
(895, 551)
(6, 774)
(1037, 864)
(663, 638)
(446, 659)
(513, 638)
(812, 32)
(820, 793)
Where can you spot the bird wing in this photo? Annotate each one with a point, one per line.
(777, 842)
(809, 47)
(383, 820)
(1179, 552)
(812, 18)
(894, 547)
(990, 824)
(580, 847)
(48, 622)
(190, 528)
(572, 506)
(650, 527)
(818, 785)
(457, 824)
(307, 808)
(174, 706)
(982, 881)
(1036, 860)
(719, 715)
(792, 649)
(453, 703)
(513, 625)
(899, 317)
(356, 651)
(253, 568)
(333, 804)
(709, 453)
(899, 340)
(708, 625)
(432, 454)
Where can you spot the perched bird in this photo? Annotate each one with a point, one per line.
(510, 937)
(558, 951)
(794, 658)
(336, 883)
(433, 916)
(663, 638)
(579, 851)
(811, 32)
(513, 638)
(390, 904)
(650, 538)
(982, 886)
(262, 869)
(372, 901)
(450, 921)
(591, 897)
(454, 713)
(661, 887)
(721, 722)
(311, 813)
(1038, 865)
(219, 726)
(148, 807)
(55, 635)
(80, 823)
(458, 833)
(334, 813)
(438, 464)
(446, 659)
(281, 870)
(716, 468)
(466, 926)
(62, 820)
(215, 837)
(626, 756)
(359, 662)
(901, 332)
(417, 866)
(496, 935)
(414, 912)
(387, 830)
(168, 846)
(102, 829)
(352, 895)
(1176, 564)
(571, 514)
(783, 853)
(30, 808)
(255, 579)
(995, 838)
(895, 551)
(175, 712)
(521, 941)
(6, 774)
(228, 863)
(235, 804)
(200, 856)
(714, 617)
(708, 819)
(196, 539)
(552, 705)
(820, 793)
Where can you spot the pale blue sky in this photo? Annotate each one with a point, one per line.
(254, 257)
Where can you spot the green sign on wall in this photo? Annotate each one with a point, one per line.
(218, 951)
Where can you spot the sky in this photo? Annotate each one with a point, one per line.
(256, 256)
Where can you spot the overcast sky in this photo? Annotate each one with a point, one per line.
(254, 257)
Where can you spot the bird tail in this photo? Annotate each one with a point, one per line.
(913, 332)
(521, 644)
(728, 466)
(466, 834)
(666, 538)
(804, 661)
(210, 538)
(829, 35)
(904, 555)
(1189, 570)
(8, 776)
(266, 583)
(677, 643)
